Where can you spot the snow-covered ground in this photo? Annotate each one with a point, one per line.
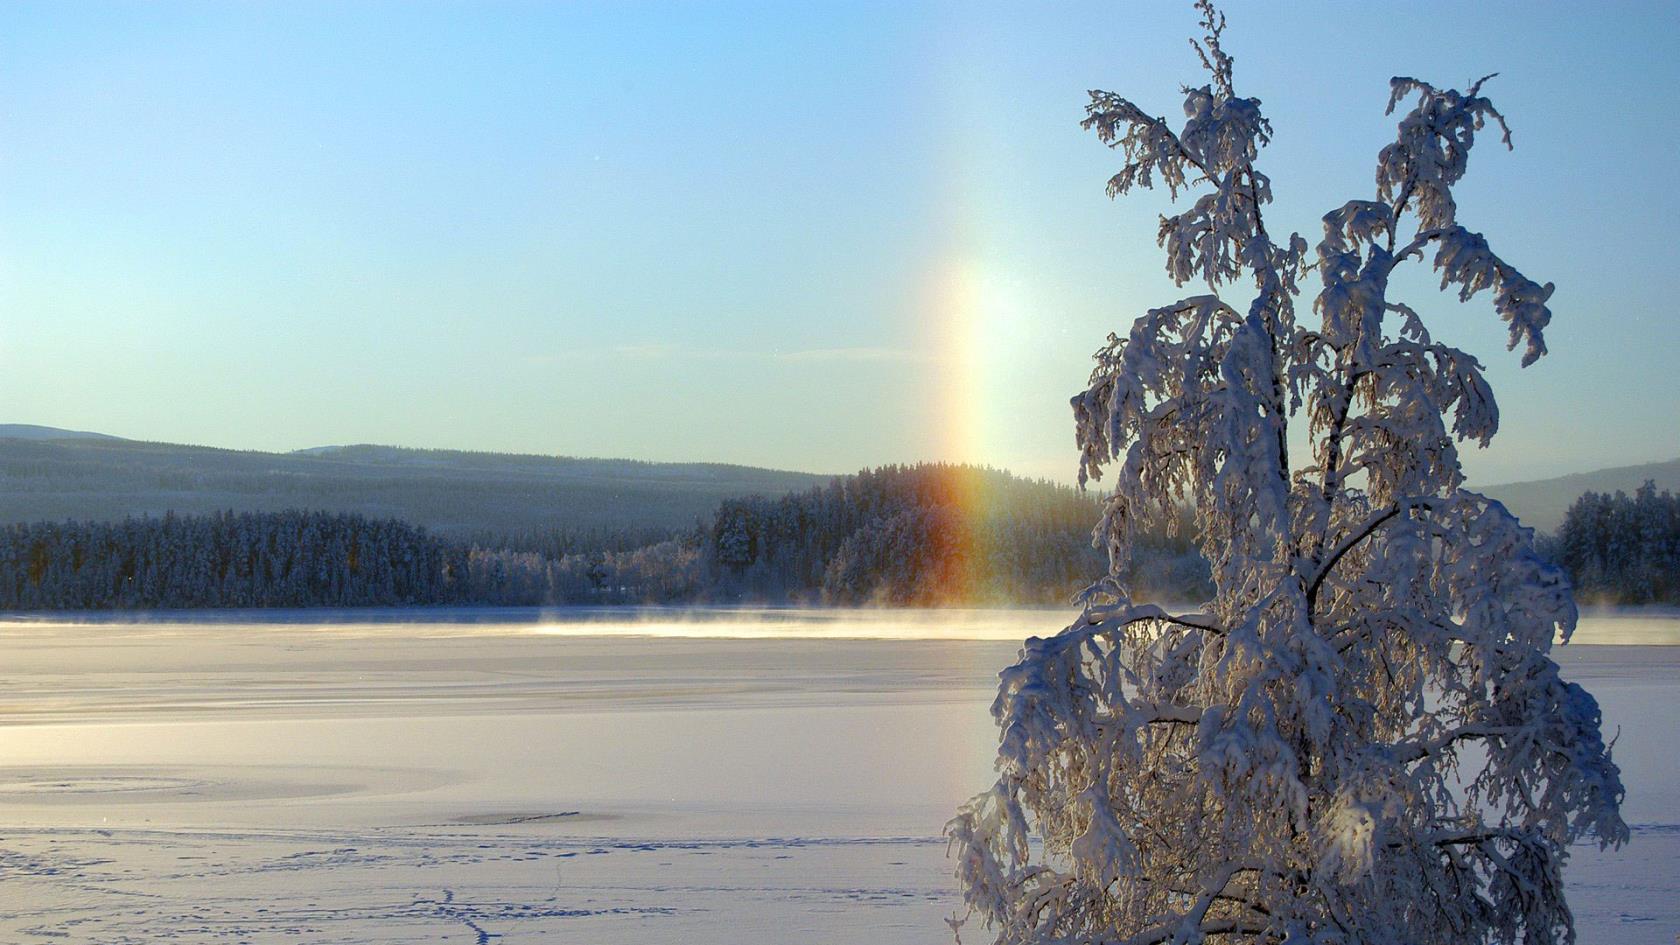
(755, 776)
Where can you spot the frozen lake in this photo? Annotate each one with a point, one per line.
(723, 776)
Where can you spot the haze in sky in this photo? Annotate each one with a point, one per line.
(811, 236)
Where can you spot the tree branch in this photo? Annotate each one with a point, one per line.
(1408, 752)
(1347, 544)
(1155, 712)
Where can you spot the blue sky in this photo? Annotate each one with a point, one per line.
(797, 235)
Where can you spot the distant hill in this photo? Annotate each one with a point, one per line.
(51, 474)
(29, 431)
(1543, 502)
(63, 475)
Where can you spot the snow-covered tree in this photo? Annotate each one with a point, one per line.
(1362, 737)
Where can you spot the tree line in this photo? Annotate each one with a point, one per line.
(920, 535)
(924, 535)
(227, 559)
(1621, 549)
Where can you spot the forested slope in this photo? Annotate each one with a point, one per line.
(1543, 503)
(452, 493)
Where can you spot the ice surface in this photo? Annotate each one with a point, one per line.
(496, 780)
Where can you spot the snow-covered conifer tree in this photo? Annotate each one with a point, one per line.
(1362, 737)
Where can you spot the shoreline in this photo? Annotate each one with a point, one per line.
(1599, 626)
